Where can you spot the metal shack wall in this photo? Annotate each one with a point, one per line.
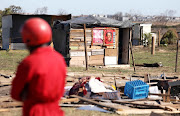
(136, 35)
(125, 46)
(18, 21)
(61, 40)
(6, 27)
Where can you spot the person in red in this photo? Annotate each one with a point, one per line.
(40, 77)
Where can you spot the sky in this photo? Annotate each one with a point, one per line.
(86, 7)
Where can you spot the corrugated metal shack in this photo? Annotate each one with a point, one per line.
(107, 40)
(11, 24)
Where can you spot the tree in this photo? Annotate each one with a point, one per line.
(10, 10)
(62, 12)
(147, 39)
(16, 9)
(118, 16)
(169, 37)
(42, 10)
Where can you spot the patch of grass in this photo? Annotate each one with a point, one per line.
(165, 55)
(10, 60)
(97, 70)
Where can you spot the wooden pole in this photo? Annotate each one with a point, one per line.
(153, 46)
(177, 53)
(85, 47)
(132, 56)
(159, 38)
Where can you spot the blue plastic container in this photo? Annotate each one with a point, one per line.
(136, 89)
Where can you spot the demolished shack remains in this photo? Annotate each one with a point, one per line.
(107, 41)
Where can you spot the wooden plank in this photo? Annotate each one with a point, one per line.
(74, 47)
(5, 110)
(80, 58)
(96, 62)
(80, 30)
(77, 63)
(69, 100)
(110, 52)
(11, 104)
(5, 84)
(147, 105)
(79, 38)
(96, 47)
(72, 105)
(96, 57)
(97, 103)
(98, 52)
(79, 53)
(159, 94)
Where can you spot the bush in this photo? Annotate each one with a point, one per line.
(169, 37)
(164, 41)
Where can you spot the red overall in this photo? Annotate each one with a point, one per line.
(44, 72)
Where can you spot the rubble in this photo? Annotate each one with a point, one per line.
(94, 93)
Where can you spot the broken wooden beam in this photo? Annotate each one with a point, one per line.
(111, 108)
(145, 105)
(159, 94)
(69, 100)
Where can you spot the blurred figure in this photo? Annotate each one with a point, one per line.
(40, 77)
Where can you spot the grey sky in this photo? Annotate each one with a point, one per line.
(78, 7)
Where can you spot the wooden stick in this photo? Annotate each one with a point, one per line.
(177, 55)
(153, 46)
(130, 43)
(159, 38)
(97, 103)
(159, 94)
(85, 46)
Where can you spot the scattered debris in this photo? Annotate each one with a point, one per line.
(5, 76)
(150, 65)
(92, 93)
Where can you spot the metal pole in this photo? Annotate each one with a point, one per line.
(85, 47)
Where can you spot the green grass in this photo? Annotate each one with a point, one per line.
(167, 55)
(97, 70)
(10, 60)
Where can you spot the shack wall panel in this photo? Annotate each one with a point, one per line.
(97, 57)
(98, 52)
(79, 53)
(110, 60)
(110, 52)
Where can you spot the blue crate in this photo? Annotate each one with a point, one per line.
(136, 89)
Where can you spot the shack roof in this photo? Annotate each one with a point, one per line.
(91, 21)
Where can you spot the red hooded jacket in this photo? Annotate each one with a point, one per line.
(41, 75)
